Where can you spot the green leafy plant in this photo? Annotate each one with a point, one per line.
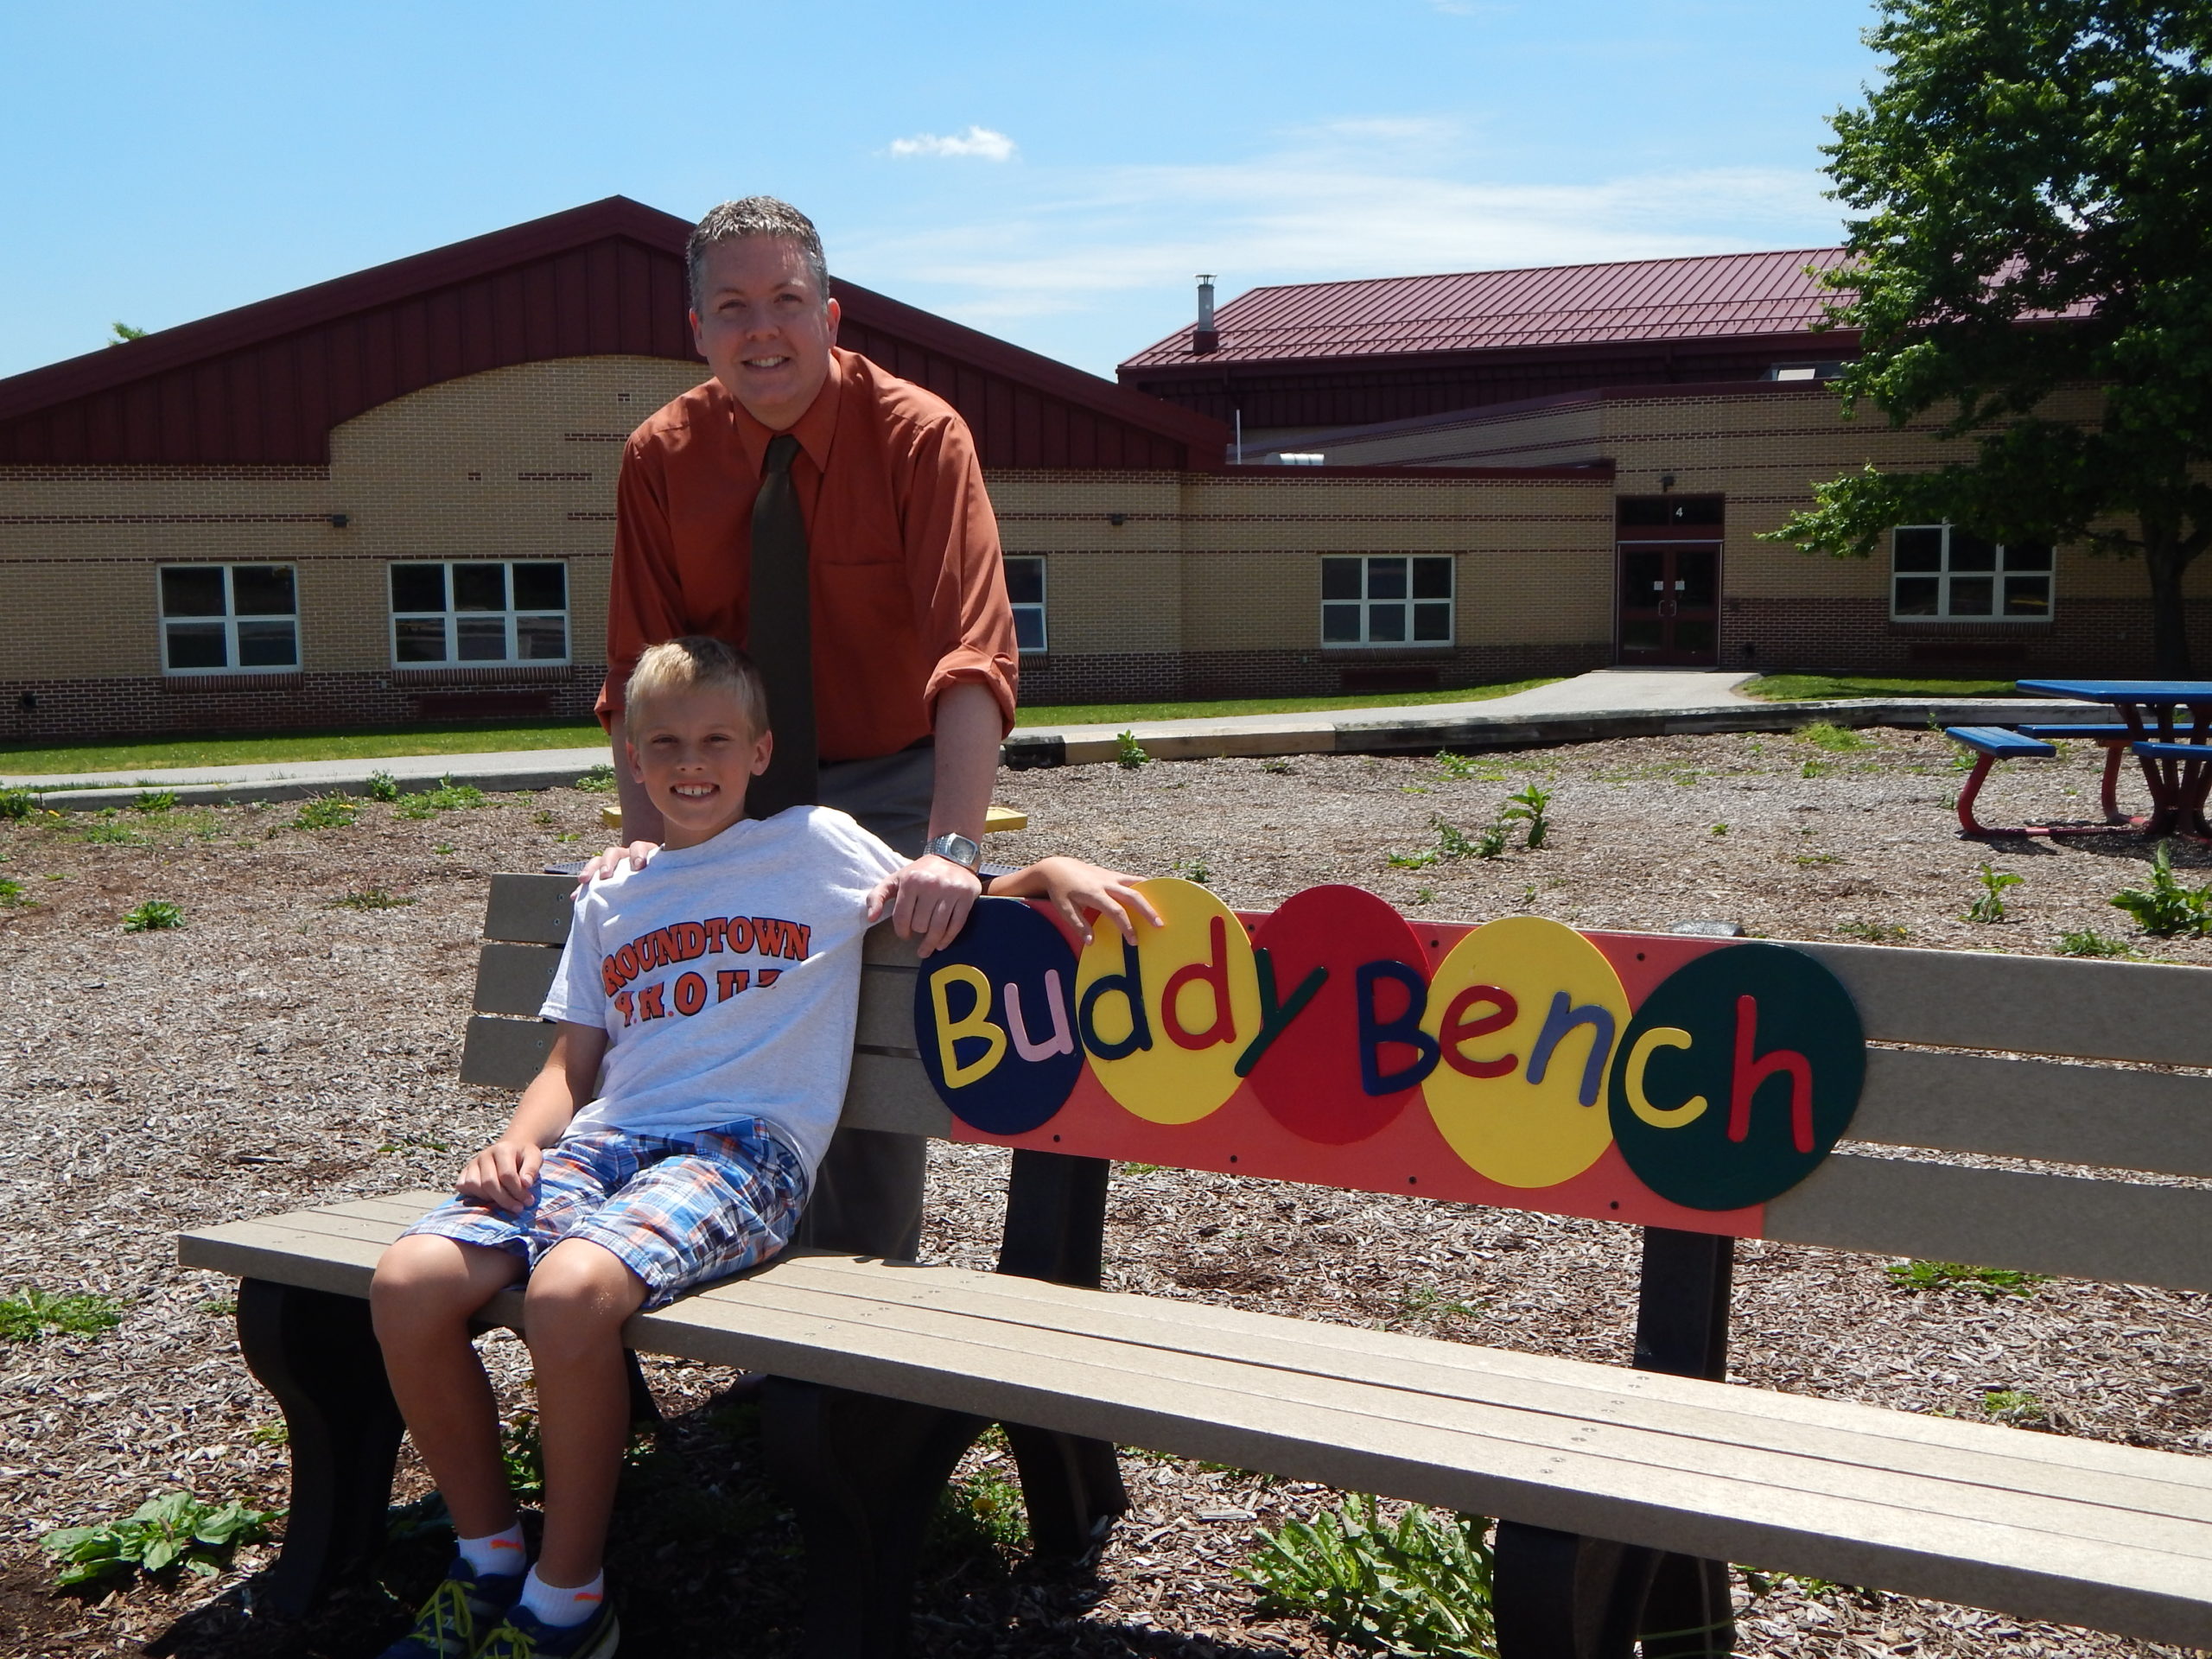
(17, 803)
(1990, 907)
(1193, 870)
(1278, 767)
(1464, 768)
(383, 786)
(1128, 753)
(28, 1317)
(599, 780)
(1816, 769)
(152, 915)
(1991, 1283)
(1491, 842)
(325, 812)
(154, 800)
(524, 1456)
(1827, 735)
(11, 891)
(1424, 896)
(1807, 861)
(371, 898)
(1421, 1585)
(448, 796)
(2015, 1406)
(1875, 932)
(176, 1529)
(2167, 906)
(1528, 807)
(1719, 829)
(2088, 942)
(103, 832)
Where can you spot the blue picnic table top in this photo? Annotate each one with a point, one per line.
(2145, 692)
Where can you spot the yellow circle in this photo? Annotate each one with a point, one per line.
(1567, 1011)
(1178, 1062)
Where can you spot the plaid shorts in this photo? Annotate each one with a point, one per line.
(677, 1211)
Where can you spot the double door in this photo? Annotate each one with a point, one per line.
(1669, 603)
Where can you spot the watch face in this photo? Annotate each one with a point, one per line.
(958, 849)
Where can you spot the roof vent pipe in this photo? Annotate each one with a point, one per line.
(1205, 337)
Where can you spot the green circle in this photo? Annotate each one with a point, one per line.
(1802, 1009)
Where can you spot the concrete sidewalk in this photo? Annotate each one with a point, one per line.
(1607, 702)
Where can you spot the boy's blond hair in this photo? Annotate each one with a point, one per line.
(695, 662)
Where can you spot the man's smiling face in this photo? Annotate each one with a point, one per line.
(763, 327)
(695, 752)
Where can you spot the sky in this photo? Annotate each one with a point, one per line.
(1055, 175)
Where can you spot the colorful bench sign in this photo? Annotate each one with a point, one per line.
(1658, 1079)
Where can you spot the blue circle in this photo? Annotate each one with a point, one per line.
(1011, 1041)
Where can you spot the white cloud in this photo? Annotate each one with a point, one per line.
(980, 143)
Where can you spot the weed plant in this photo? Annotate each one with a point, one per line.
(448, 796)
(1467, 769)
(153, 916)
(176, 1529)
(1420, 1586)
(11, 892)
(2015, 1406)
(383, 786)
(599, 780)
(371, 898)
(154, 800)
(28, 1317)
(1990, 1283)
(105, 832)
(325, 812)
(1838, 739)
(1128, 753)
(2167, 906)
(15, 803)
(1875, 932)
(1990, 907)
(1527, 806)
(1194, 870)
(2088, 942)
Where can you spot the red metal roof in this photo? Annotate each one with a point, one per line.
(265, 384)
(1714, 296)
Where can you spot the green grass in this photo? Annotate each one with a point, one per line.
(1820, 688)
(1991, 1283)
(199, 750)
(29, 1316)
(1119, 713)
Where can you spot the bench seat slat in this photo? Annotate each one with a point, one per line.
(2027, 1005)
(1997, 741)
(2100, 1116)
(2059, 1224)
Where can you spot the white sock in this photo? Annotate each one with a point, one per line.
(553, 1605)
(499, 1552)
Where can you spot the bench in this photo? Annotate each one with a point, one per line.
(1622, 1492)
(2114, 741)
(1992, 744)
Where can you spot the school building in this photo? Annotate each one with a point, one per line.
(391, 496)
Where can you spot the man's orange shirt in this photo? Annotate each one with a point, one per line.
(908, 590)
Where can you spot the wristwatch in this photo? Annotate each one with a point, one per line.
(957, 848)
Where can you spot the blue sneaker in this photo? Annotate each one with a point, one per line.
(524, 1635)
(461, 1615)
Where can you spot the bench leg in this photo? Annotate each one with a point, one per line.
(1055, 1231)
(1972, 788)
(863, 1473)
(1559, 1595)
(315, 1352)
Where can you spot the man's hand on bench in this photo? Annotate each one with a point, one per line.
(613, 858)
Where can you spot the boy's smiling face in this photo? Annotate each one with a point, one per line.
(696, 751)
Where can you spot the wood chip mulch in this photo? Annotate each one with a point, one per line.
(284, 1047)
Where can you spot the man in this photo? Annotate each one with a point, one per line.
(872, 487)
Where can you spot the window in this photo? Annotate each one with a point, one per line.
(480, 613)
(1386, 601)
(1942, 572)
(222, 618)
(1025, 586)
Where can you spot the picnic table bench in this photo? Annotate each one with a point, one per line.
(1623, 1490)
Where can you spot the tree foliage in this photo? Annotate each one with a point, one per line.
(2032, 183)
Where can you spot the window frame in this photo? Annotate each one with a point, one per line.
(229, 619)
(1943, 575)
(510, 616)
(1406, 603)
(1038, 605)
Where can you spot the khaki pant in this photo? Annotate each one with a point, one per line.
(868, 1194)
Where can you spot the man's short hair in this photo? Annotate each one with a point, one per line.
(756, 216)
(695, 662)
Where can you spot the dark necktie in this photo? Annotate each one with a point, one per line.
(781, 630)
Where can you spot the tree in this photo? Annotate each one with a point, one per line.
(2033, 182)
(124, 333)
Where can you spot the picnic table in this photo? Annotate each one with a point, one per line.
(2176, 763)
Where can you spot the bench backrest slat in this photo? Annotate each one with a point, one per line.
(514, 978)
(2027, 1005)
(529, 909)
(504, 1053)
(2155, 1122)
(2115, 1231)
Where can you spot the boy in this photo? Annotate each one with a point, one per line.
(726, 1040)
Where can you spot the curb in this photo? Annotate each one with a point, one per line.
(1028, 751)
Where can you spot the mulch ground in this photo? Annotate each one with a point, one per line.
(284, 1046)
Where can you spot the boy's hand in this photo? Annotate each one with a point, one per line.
(504, 1174)
(613, 858)
(1080, 890)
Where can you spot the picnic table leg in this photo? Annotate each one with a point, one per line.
(1055, 1231)
(2115, 755)
(1973, 787)
(316, 1353)
(1558, 1595)
(863, 1473)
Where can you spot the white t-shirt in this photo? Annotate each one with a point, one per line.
(728, 978)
